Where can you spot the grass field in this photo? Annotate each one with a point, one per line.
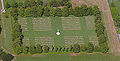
(73, 30)
(5, 39)
(68, 57)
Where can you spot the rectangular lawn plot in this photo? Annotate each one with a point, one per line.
(41, 24)
(26, 41)
(71, 40)
(93, 39)
(49, 41)
(23, 23)
(90, 22)
(71, 23)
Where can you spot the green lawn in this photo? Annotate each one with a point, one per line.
(67, 57)
(8, 30)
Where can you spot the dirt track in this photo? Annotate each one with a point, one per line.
(110, 28)
(109, 24)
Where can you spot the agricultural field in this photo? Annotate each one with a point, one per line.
(73, 30)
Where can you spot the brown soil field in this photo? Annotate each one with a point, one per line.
(109, 24)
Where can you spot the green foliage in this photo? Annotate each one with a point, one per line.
(96, 49)
(104, 48)
(70, 48)
(21, 11)
(39, 2)
(114, 12)
(58, 12)
(14, 4)
(76, 48)
(39, 48)
(46, 11)
(102, 39)
(16, 32)
(55, 49)
(5, 56)
(7, 5)
(24, 49)
(45, 49)
(65, 11)
(17, 49)
(90, 47)
(32, 49)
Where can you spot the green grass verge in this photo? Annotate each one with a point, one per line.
(67, 57)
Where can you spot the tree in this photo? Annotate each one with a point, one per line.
(40, 2)
(21, 11)
(14, 4)
(45, 49)
(17, 49)
(28, 12)
(90, 47)
(114, 12)
(47, 11)
(24, 49)
(7, 57)
(66, 49)
(63, 49)
(96, 48)
(14, 12)
(68, 4)
(32, 3)
(76, 48)
(27, 3)
(59, 49)
(65, 11)
(40, 11)
(77, 12)
(102, 39)
(70, 48)
(104, 48)
(96, 10)
(32, 49)
(84, 48)
(7, 5)
(39, 48)
(54, 3)
(20, 4)
(16, 32)
(55, 49)
(58, 12)
(52, 11)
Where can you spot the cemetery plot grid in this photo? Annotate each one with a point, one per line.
(90, 22)
(73, 30)
(23, 23)
(49, 41)
(26, 41)
(93, 39)
(41, 24)
(71, 23)
(71, 40)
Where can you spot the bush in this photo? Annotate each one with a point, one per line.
(45, 49)
(76, 48)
